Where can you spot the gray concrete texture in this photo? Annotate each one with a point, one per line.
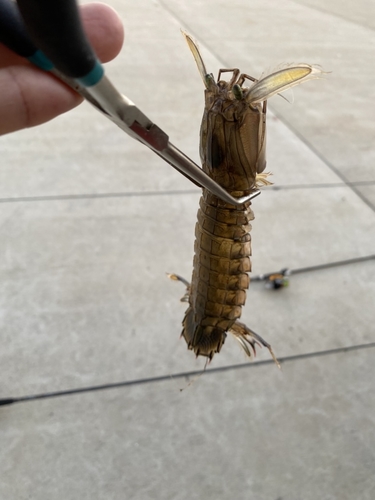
(90, 223)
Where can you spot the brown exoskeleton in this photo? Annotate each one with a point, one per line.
(233, 153)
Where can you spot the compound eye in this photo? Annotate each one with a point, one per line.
(237, 92)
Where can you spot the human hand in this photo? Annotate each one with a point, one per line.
(30, 96)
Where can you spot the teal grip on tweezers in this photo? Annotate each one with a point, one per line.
(40, 60)
(93, 77)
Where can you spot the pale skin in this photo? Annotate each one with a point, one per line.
(30, 97)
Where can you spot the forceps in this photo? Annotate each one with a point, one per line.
(50, 34)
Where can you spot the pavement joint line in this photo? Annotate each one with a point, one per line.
(84, 196)
(186, 375)
(96, 195)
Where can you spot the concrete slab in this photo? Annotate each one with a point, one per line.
(368, 192)
(306, 432)
(84, 299)
(74, 269)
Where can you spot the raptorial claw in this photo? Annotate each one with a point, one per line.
(245, 336)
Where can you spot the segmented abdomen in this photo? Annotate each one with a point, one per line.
(221, 263)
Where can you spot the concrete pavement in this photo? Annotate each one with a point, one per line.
(90, 223)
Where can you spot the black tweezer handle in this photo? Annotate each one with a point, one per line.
(55, 28)
(12, 30)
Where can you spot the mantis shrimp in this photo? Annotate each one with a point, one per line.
(233, 153)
